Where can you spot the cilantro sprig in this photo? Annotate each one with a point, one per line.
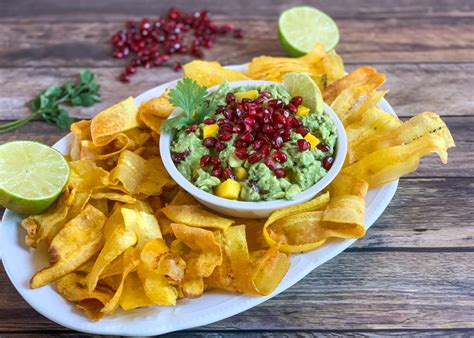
(47, 105)
(191, 98)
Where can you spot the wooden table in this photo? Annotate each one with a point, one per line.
(413, 272)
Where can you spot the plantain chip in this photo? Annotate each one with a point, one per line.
(333, 66)
(364, 104)
(210, 73)
(139, 176)
(79, 240)
(138, 216)
(133, 295)
(360, 76)
(74, 289)
(87, 176)
(39, 227)
(194, 216)
(420, 125)
(119, 236)
(130, 262)
(81, 131)
(268, 269)
(108, 124)
(157, 288)
(374, 121)
(388, 164)
(153, 112)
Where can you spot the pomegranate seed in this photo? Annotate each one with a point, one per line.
(279, 172)
(209, 121)
(275, 103)
(323, 147)
(124, 77)
(247, 138)
(279, 118)
(177, 157)
(229, 114)
(118, 54)
(292, 108)
(217, 171)
(220, 146)
(192, 129)
(226, 127)
(269, 163)
(205, 160)
(225, 137)
(209, 142)
(327, 162)
(257, 144)
(216, 161)
(294, 122)
(280, 156)
(266, 149)
(237, 129)
(241, 144)
(302, 130)
(241, 153)
(227, 173)
(303, 144)
(265, 94)
(130, 70)
(268, 130)
(254, 157)
(177, 66)
(230, 98)
(220, 122)
(297, 100)
(277, 142)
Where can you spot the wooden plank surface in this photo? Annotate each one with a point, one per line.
(412, 274)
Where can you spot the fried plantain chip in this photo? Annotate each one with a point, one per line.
(81, 131)
(273, 236)
(39, 227)
(364, 104)
(210, 73)
(74, 289)
(133, 295)
(119, 236)
(157, 288)
(333, 66)
(374, 121)
(360, 76)
(108, 124)
(153, 112)
(87, 176)
(138, 216)
(420, 125)
(113, 196)
(79, 240)
(268, 269)
(194, 216)
(130, 262)
(139, 176)
(388, 164)
(206, 251)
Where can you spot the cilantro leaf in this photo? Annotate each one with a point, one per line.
(188, 95)
(47, 104)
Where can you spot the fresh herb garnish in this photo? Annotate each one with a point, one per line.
(191, 98)
(47, 104)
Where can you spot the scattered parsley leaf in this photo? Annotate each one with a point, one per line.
(46, 105)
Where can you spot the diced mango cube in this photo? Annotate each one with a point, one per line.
(251, 94)
(302, 111)
(228, 189)
(210, 130)
(241, 173)
(312, 140)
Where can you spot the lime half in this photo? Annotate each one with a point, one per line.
(32, 175)
(301, 28)
(300, 84)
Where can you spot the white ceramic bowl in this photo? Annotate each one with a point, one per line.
(254, 209)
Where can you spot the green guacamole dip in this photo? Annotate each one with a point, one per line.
(270, 177)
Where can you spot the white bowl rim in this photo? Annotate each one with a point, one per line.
(341, 150)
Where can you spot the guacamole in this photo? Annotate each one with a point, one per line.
(260, 144)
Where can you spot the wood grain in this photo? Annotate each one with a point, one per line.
(29, 43)
(445, 89)
(354, 291)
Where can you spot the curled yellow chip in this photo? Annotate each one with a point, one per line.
(207, 73)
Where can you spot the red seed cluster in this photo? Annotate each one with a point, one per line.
(151, 43)
(261, 128)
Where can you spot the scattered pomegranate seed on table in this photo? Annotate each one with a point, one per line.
(150, 43)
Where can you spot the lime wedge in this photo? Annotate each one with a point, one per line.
(300, 84)
(301, 28)
(32, 175)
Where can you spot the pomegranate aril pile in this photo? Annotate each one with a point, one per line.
(150, 43)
